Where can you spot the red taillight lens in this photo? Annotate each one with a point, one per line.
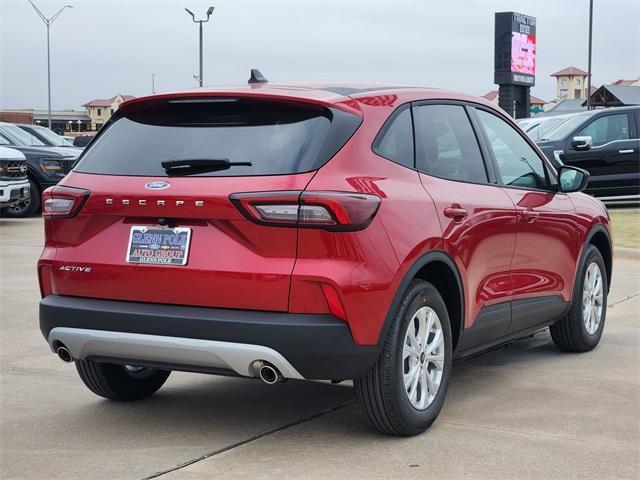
(45, 278)
(63, 202)
(334, 211)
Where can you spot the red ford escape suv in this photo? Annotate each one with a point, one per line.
(316, 232)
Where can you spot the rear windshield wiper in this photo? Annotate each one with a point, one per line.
(194, 166)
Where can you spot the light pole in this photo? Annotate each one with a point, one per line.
(589, 62)
(48, 22)
(153, 83)
(193, 17)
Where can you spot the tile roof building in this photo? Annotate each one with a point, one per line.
(100, 110)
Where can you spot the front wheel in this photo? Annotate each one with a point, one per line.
(405, 390)
(26, 207)
(120, 382)
(581, 329)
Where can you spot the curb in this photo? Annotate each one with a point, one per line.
(626, 253)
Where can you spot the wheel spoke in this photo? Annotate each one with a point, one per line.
(409, 377)
(437, 360)
(410, 351)
(435, 343)
(433, 386)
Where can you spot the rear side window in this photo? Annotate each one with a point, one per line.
(395, 141)
(274, 137)
(607, 129)
(446, 145)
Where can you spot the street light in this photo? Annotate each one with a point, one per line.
(193, 17)
(48, 22)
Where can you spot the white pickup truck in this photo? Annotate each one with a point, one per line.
(14, 184)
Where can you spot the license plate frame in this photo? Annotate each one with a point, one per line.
(176, 245)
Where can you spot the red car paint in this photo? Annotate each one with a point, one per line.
(512, 243)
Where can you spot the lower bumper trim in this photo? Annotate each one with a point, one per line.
(190, 353)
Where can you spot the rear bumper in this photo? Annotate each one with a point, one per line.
(204, 339)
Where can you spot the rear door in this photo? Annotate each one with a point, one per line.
(613, 161)
(173, 236)
(478, 218)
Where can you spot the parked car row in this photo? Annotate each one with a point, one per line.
(48, 159)
(14, 185)
(604, 142)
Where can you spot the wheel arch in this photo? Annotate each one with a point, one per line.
(599, 237)
(438, 268)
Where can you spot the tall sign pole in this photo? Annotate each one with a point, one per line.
(589, 62)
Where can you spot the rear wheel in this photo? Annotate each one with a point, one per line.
(581, 329)
(405, 390)
(27, 207)
(120, 382)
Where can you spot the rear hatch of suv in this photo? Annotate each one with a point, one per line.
(149, 213)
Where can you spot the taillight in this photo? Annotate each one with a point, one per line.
(333, 211)
(63, 202)
(45, 279)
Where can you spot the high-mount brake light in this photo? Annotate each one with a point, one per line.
(63, 202)
(328, 210)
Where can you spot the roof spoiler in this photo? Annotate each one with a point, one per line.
(257, 77)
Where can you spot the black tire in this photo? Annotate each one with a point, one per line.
(116, 382)
(381, 393)
(25, 208)
(570, 332)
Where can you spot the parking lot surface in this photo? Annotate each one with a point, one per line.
(523, 411)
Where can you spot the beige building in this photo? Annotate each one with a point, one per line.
(571, 83)
(100, 110)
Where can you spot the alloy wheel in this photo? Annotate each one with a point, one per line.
(592, 296)
(423, 357)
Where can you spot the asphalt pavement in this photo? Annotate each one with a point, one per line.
(523, 411)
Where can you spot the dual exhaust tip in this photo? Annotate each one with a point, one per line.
(267, 372)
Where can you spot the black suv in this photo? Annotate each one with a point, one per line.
(604, 142)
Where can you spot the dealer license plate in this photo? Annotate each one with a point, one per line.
(158, 245)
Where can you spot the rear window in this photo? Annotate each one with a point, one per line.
(275, 137)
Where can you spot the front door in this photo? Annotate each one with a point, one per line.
(546, 249)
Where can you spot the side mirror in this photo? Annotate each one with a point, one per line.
(572, 179)
(582, 143)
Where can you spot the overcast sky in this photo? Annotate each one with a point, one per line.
(100, 48)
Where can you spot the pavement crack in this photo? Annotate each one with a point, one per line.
(299, 421)
(629, 297)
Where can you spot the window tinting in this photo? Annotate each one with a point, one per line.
(396, 141)
(276, 137)
(607, 129)
(518, 163)
(446, 145)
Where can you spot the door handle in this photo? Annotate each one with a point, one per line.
(629, 150)
(530, 216)
(456, 213)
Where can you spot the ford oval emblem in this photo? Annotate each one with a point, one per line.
(157, 185)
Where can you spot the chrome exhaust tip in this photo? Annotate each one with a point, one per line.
(267, 372)
(270, 375)
(64, 354)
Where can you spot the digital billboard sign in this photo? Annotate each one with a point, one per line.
(515, 49)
